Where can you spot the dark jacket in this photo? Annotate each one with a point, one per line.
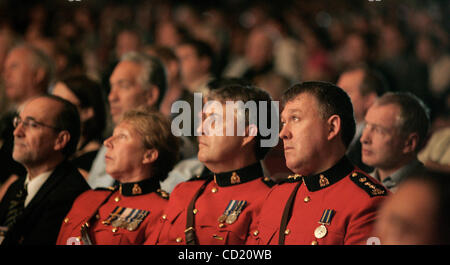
(41, 220)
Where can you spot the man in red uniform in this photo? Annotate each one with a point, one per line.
(327, 200)
(218, 207)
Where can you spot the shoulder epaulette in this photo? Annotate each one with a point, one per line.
(163, 194)
(368, 185)
(268, 181)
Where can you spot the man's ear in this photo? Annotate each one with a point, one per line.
(150, 156)
(410, 143)
(61, 140)
(334, 126)
(152, 95)
(39, 76)
(250, 133)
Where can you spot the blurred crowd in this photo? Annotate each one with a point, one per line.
(272, 45)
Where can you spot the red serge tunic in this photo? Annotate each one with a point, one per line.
(343, 199)
(222, 213)
(124, 215)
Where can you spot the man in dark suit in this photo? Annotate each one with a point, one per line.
(46, 133)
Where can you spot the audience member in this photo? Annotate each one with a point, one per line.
(418, 213)
(141, 151)
(89, 99)
(27, 74)
(217, 207)
(313, 205)
(396, 129)
(137, 80)
(46, 134)
(197, 61)
(363, 85)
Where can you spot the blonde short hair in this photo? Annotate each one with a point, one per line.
(155, 130)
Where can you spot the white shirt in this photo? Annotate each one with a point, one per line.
(35, 184)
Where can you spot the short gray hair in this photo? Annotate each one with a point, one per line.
(39, 60)
(153, 72)
(414, 114)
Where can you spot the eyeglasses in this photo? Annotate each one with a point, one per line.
(30, 123)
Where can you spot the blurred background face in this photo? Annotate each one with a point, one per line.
(191, 64)
(127, 41)
(408, 217)
(35, 144)
(61, 90)
(125, 152)
(382, 143)
(126, 90)
(351, 82)
(18, 75)
(258, 51)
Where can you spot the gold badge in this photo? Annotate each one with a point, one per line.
(235, 179)
(136, 190)
(323, 181)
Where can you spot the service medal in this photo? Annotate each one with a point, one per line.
(232, 218)
(320, 232)
(133, 225)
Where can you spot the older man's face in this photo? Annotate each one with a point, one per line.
(126, 89)
(382, 141)
(34, 137)
(19, 75)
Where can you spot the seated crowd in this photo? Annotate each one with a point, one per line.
(188, 130)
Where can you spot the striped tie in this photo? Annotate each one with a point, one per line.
(16, 207)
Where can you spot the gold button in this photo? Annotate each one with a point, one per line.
(115, 229)
(314, 243)
(214, 190)
(221, 225)
(255, 233)
(287, 231)
(354, 174)
(116, 199)
(307, 199)
(195, 211)
(97, 216)
(179, 239)
(164, 216)
(66, 220)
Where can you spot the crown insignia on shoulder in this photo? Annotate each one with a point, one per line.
(372, 188)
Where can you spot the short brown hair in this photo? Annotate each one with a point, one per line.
(155, 130)
(247, 93)
(332, 100)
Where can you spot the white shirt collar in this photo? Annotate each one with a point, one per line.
(35, 184)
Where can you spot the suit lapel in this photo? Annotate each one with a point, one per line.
(56, 176)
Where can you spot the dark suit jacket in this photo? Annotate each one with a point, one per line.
(41, 220)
